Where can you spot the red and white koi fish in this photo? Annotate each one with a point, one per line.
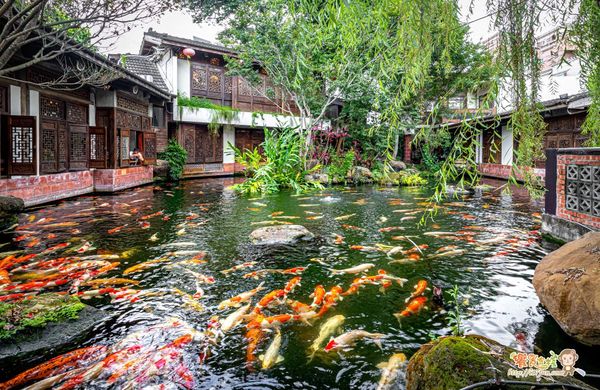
(240, 298)
(84, 248)
(260, 273)
(145, 225)
(156, 214)
(234, 318)
(299, 307)
(390, 229)
(293, 271)
(238, 267)
(413, 307)
(291, 284)
(348, 339)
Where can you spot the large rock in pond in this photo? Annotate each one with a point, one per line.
(397, 165)
(361, 175)
(320, 178)
(454, 362)
(9, 207)
(280, 235)
(567, 281)
(161, 169)
(47, 322)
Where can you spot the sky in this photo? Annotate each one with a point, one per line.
(179, 23)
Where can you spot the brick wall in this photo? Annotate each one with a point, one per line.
(500, 171)
(110, 180)
(564, 160)
(36, 190)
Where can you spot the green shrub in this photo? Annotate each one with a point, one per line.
(411, 179)
(281, 165)
(176, 156)
(341, 165)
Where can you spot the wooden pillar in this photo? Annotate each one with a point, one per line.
(407, 148)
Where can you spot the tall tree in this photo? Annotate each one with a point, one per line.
(36, 31)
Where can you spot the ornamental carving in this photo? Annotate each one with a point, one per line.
(199, 81)
(215, 80)
(132, 105)
(127, 120)
(259, 90)
(215, 61)
(244, 87)
(228, 84)
(22, 144)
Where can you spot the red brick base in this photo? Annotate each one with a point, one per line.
(111, 180)
(36, 190)
(561, 173)
(500, 171)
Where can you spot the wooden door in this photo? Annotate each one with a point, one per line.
(149, 148)
(78, 147)
(22, 151)
(189, 142)
(123, 147)
(49, 147)
(210, 146)
(98, 148)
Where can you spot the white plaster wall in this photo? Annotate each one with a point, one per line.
(183, 77)
(507, 146)
(228, 138)
(92, 115)
(168, 67)
(479, 149)
(34, 110)
(205, 115)
(15, 100)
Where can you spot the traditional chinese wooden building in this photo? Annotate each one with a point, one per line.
(197, 68)
(57, 142)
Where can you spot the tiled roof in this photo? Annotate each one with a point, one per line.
(197, 42)
(146, 69)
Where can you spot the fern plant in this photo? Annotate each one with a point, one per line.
(176, 156)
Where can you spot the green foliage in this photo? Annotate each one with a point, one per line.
(218, 115)
(411, 179)
(251, 159)
(282, 165)
(176, 156)
(586, 34)
(455, 315)
(340, 165)
(36, 313)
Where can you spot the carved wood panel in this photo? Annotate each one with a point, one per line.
(52, 108)
(98, 147)
(150, 148)
(21, 135)
(78, 147)
(77, 113)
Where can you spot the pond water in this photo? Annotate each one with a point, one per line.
(201, 228)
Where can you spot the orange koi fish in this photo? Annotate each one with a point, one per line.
(299, 307)
(116, 230)
(318, 295)
(156, 214)
(339, 240)
(267, 299)
(4, 278)
(55, 366)
(145, 225)
(293, 271)
(21, 237)
(240, 298)
(330, 300)
(413, 307)
(469, 217)
(259, 274)
(420, 288)
(55, 248)
(351, 227)
(191, 216)
(289, 287)
(32, 243)
(254, 336)
(276, 320)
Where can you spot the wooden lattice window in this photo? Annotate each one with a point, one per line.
(244, 87)
(21, 151)
(259, 90)
(78, 141)
(128, 120)
(132, 105)
(51, 108)
(98, 147)
(228, 84)
(76, 113)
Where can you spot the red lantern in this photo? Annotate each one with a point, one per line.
(188, 52)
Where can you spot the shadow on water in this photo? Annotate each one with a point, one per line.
(494, 238)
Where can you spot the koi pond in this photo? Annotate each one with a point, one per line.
(190, 302)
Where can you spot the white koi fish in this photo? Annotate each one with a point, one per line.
(353, 270)
(271, 356)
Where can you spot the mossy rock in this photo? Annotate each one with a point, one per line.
(19, 317)
(454, 362)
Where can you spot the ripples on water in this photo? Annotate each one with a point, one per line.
(496, 279)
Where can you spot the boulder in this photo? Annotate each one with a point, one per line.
(320, 178)
(161, 170)
(361, 175)
(457, 190)
(397, 165)
(455, 362)
(280, 235)
(567, 281)
(9, 207)
(58, 322)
